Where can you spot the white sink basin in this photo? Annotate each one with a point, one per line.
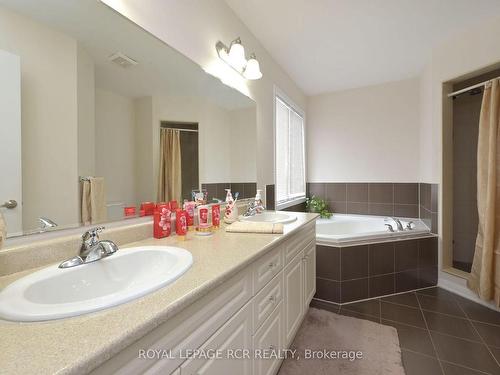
(54, 293)
(271, 217)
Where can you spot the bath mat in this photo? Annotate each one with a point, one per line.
(339, 340)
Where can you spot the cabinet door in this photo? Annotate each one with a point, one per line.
(268, 340)
(233, 336)
(309, 274)
(294, 296)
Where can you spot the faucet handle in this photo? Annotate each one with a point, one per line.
(389, 227)
(92, 234)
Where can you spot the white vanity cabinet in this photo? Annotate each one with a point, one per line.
(255, 312)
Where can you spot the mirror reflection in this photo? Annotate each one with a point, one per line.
(98, 117)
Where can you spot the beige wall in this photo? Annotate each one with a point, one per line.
(367, 134)
(143, 165)
(48, 107)
(115, 145)
(86, 113)
(243, 143)
(193, 28)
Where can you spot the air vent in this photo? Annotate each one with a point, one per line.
(122, 60)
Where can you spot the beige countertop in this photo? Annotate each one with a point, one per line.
(80, 344)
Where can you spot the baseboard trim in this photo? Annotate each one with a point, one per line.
(458, 285)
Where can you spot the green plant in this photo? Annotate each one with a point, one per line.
(319, 206)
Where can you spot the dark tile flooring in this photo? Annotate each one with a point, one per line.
(439, 332)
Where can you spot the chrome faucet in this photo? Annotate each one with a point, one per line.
(46, 223)
(251, 209)
(91, 249)
(398, 224)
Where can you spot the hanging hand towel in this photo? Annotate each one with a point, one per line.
(3, 230)
(249, 227)
(94, 201)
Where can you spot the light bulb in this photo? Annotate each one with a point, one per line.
(236, 55)
(252, 70)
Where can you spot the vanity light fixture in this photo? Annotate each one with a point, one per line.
(234, 56)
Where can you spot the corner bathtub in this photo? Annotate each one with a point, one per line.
(342, 230)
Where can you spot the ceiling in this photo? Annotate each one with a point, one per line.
(331, 45)
(161, 70)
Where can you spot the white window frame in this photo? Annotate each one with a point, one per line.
(278, 93)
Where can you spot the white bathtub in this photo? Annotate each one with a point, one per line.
(342, 230)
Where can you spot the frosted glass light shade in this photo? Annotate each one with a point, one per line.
(252, 70)
(236, 56)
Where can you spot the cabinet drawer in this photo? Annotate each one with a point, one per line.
(234, 336)
(187, 330)
(266, 268)
(266, 300)
(269, 337)
(299, 241)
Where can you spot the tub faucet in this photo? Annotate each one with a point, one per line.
(91, 249)
(398, 224)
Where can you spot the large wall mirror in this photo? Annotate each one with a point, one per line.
(87, 96)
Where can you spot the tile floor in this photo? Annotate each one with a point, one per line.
(439, 332)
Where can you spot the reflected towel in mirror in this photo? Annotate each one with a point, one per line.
(94, 201)
(3, 230)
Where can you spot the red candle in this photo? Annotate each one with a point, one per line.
(129, 211)
(203, 216)
(180, 222)
(161, 223)
(216, 215)
(148, 208)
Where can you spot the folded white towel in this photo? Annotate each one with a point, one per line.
(252, 227)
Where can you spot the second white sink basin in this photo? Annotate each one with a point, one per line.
(271, 217)
(54, 293)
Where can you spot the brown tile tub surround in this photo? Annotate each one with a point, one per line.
(390, 199)
(429, 205)
(440, 333)
(383, 199)
(218, 190)
(346, 274)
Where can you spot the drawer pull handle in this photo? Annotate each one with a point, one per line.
(272, 299)
(272, 265)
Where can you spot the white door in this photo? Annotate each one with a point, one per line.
(309, 274)
(294, 296)
(10, 140)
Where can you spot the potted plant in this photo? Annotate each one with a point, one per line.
(318, 205)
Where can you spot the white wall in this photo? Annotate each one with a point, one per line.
(115, 145)
(48, 107)
(367, 134)
(193, 27)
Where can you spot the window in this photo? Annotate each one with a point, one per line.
(290, 153)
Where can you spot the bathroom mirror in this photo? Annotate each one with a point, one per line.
(86, 95)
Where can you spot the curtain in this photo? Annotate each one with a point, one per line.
(485, 273)
(170, 174)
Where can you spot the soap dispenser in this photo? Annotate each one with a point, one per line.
(259, 205)
(231, 213)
